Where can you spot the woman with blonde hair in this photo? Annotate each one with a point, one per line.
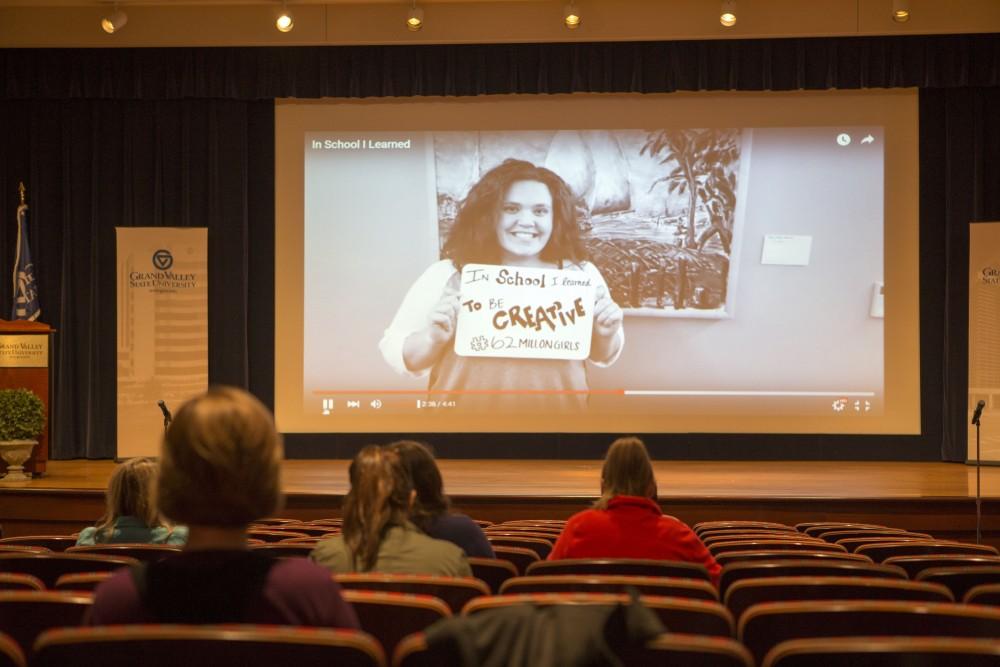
(131, 515)
(626, 521)
(220, 465)
(378, 535)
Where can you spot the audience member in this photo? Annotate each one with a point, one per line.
(220, 470)
(626, 521)
(131, 515)
(430, 510)
(377, 533)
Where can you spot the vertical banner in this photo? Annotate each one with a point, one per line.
(162, 329)
(984, 336)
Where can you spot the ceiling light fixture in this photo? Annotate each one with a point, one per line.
(114, 21)
(414, 18)
(727, 13)
(900, 11)
(571, 16)
(284, 22)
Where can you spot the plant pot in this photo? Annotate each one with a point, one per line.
(15, 453)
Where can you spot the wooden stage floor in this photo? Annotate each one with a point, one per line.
(932, 497)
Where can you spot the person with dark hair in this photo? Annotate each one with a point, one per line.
(377, 533)
(626, 521)
(430, 510)
(520, 215)
(220, 465)
(131, 515)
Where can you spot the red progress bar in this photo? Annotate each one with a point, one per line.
(424, 392)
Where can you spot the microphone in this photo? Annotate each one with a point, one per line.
(979, 411)
(167, 418)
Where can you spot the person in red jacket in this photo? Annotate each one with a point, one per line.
(626, 521)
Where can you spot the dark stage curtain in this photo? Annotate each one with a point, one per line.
(184, 137)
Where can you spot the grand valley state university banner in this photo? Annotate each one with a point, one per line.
(162, 329)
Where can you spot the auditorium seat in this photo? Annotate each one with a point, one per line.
(642, 567)
(412, 651)
(389, 617)
(273, 535)
(960, 580)
(313, 541)
(206, 646)
(837, 535)
(774, 545)
(492, 571)
(482, 523)
(11, 654)
(516, 556)
(733, 572)
(743, 594)
(699, 617)
(285, 549)
(146, 553)
(686, 649)
(333, 523)
(81, 581)
(50, 542)
(879, 552)
(775, 532)
(13, 581)
(764, 626)
(712, 525)
(50, 566)
(549, 537)
(767, 554)
(709, 539)
(541, 522)
(913, 565)
(25, 614)
(271, 521)
(454, 591)
(540, 546)
(8, 548)
(987, 594)
(880, 651)
(852, 544)
(815, 528)
(310, 530)
(694, 589)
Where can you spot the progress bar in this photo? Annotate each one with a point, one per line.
(698, 392)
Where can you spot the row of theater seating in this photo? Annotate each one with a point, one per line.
(869, 596)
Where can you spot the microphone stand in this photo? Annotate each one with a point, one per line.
(979, 497)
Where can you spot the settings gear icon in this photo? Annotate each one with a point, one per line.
(480, 344)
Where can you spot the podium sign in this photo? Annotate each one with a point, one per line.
(25, 358)
(27, 351)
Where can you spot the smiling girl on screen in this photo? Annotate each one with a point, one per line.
(516, 215)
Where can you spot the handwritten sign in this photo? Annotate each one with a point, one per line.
(517, 312)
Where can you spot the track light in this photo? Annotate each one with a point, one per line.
(114, 21)
(900, 11)
(727, 13)
(415, 18)
(571, 16)
(284, 22)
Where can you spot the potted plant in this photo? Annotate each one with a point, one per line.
(22, 419)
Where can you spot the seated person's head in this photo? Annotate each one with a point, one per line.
(130, 493)
(627, 471)
(418, 461)
(220, 461)
(380, 497)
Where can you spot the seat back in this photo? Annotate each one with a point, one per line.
(913, 565)
(764, 626)
(879, 552)
(774, 545)
(681, 649)
(734, 572)
(50, 566)
(628, 566)
(776, 532)
(11, 654)
(274, 534)
(13, 581)
(146, 553)
(172, 645)
(988, 594)
(492, 571)
(454, 591)
(742, 525)
(516, 556)
(852, 544)
(8, 548)
(81, 581)
(539, 545)
(816, 528)
(743, 594)
(549, 534)
(698, 617)
(837, 535)
(960, 580)
(26, 614)
(285, 549)
(712, 538)
(389, 617)
(879, 651)
(792, 554)
(50, 542)
(694, 589)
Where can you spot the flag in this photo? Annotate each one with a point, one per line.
(26, 306)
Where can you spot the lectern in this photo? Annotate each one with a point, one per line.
(25, 360)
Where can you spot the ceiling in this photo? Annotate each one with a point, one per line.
(75, 23)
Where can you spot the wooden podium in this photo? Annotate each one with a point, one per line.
(25, 360)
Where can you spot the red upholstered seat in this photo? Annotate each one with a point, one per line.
(493, 571)
(50, 566)
(694, 589)
(454, 591)
(142, 552)
(26, 614)
(13, 581)
(634, 566)
(391, 616)
(516, 556)
(50, 542)
(880, 651)
(11, 654)
(733, 572)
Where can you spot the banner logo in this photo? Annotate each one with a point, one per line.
(162, 259)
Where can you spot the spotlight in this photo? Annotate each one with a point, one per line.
(114, 21)
(571, 16)
(415, 18)
(900, 11)
(284, 22)
(727, 13)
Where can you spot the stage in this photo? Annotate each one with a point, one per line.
(938, 498)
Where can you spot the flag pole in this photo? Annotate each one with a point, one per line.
(22, 191)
